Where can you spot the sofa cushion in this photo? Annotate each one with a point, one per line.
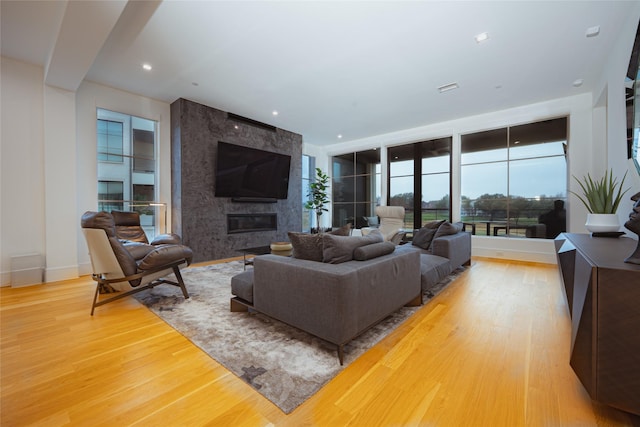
(447, 228)
(242, 285)
(432, 270)
(373, 250)
(337, 249)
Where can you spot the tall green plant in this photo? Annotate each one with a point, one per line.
(318, 197)
(601, 196)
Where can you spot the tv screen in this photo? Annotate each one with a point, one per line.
(243, 172)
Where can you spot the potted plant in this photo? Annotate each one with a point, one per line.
(601, 198)
(318, 197)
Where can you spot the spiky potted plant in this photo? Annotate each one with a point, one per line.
(318, 196)
(601, 197)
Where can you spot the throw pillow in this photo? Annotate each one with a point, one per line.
(423, 237)
(373, 250)
(447, 228)
(338, 249)
(434, 224)
(306, 246)
(345, 230)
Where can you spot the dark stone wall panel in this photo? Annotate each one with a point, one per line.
(199, 216)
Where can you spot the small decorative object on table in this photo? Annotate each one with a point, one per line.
(281, 248)
(634, 225)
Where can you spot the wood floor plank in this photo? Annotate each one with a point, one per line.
(492, 349)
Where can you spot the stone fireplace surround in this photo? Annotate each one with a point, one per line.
(208, 224)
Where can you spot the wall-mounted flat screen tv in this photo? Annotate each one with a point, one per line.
(243, 172)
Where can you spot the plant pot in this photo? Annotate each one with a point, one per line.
(602, 223)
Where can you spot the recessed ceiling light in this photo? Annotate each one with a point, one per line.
(448, 87)
(578, 82)
(147, 67)
(593, 31)
(339, 136)
(482, 37)
(274, 112)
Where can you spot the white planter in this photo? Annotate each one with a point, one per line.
(602, 223)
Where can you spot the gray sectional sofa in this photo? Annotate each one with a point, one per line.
(336, 287)
(445, 248)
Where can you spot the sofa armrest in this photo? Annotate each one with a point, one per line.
(334, 301)
(455, 247)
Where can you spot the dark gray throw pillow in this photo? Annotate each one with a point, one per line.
(447, 229)
(434, 224)
(306, 246)
(373, 250)
(423, 237)
(338, 249)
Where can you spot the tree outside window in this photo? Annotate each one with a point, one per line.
(510, 177)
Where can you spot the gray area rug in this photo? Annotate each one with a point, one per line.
(284, 364)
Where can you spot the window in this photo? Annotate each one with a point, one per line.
(110, 196)
(109, 141)
(126, 167)
(512, 176)
(308, 176)
(143, 150)
(421, 168)
(355, 185)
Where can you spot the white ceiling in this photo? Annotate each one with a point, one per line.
(356, 68)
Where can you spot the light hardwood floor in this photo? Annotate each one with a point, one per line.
(491, 350)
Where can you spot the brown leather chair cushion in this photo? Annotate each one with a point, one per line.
(165, 254)
(128, 226)
(102, 220)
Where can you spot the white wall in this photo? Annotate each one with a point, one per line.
(22, 204)
(59, 184)
(612, 152)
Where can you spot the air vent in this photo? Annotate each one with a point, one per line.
(250, 122)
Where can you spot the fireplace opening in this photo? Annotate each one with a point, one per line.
(247, 223)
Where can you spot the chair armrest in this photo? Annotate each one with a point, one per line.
(167, 239)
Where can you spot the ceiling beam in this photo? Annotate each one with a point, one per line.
(85, 27)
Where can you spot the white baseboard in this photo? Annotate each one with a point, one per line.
(531, 250)
(60, 273)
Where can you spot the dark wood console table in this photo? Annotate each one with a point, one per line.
(603, 295)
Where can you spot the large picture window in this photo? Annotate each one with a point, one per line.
(422, 168)
(512, 178)
(355, 187)
(126, 147)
